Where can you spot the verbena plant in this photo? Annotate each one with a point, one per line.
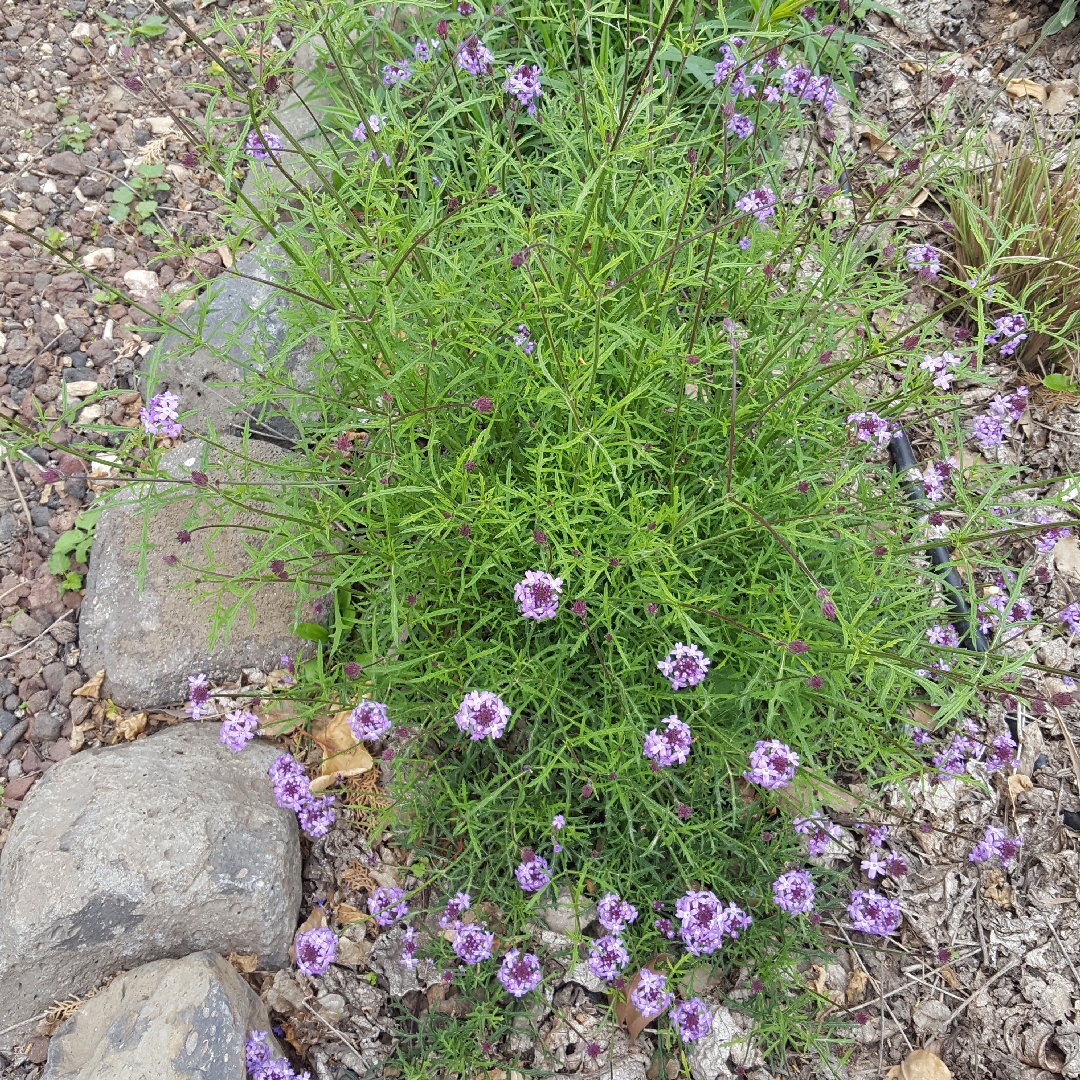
(568, 344)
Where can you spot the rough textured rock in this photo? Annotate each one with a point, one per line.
(157, 848)
(171, 1020)
(725, 1048)
(149, 642)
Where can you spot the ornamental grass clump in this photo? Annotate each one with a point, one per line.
(589, 487)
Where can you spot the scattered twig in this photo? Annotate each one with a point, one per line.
(21, 648)
(1073, 756)
(985, 986)
(979, 925)
(322, 1019)
(23, 1023)
(1068, 959)
(18, 491)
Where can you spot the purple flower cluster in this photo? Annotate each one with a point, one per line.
(996, 609)
(691, 1020)
(793, 892)
(482, 715)
(705, 922)
(1070, 618)
(802, 83)
(423, 50)
(943, 635)
(893, 865)
(989, 427)
(742, 127)
(1002, 753)
(238, 729)
(671, 746)
(159, 416)
(608, 956)
(315, 950)
(925, 259)
(537, 595)
(369, 721)
(456, 906)
(472, 943)
(524, 85)
(772, 764)
(474, 57)
(685, 665)
(1046, 540)
(994, 842)
(1010, 328)
(523, 340)
(374, 122)
(519, 973)
(869, 427)
(613, 913)
(761, 202)
(651, 997)
(943, 368)
(387, 905)
(396, 74)
(873, 913)
(410, 942)
(314, 812)
(261, 1066)
(259, 144)
(818, 830)
(198, 697)
(532, 873)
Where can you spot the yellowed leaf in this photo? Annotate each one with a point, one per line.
(92, 689)
(920, 1065)
(911, 68)
(342, 755)
(912, 208)
(1020, 88)
(856, 986)
(245, 963)
(950, 976)
(817, 983)
(127, 727)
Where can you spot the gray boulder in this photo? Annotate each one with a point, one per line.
(170, 1020)
(150, 627)
(157, 848)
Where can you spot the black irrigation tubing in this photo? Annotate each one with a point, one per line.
(903, 462)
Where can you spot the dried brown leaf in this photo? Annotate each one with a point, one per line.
(1016, 784)
(626, 1012)
(280, 717)
(1059, 96)
(879, 144)
(910, 67)
(808, 793)
(1020, 88)
(127, 727)
(342, 755)
(245, 963)
(92, 689)
(358, 877)
(817, 983)
(346, 913)
(950, 976)
(353, 952)
(920, 1065)
(996, 889)
(856, 986)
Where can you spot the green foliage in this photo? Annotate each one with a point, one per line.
(75, 542)
(73, 134)
(139, 199)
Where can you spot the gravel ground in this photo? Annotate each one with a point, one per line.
(984, 970)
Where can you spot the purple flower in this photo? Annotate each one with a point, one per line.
(608, 956)
(818, 830)
(409, 945)
(895, 865)
(1002, 753)
(650, 997)
(238, 729)
(744, 243)
(198, 697)
(519, 973)
(664, 928)
(614, 913)
(374, 122)
(869, 427)
(988, 431)
(483, 405)
(1009, 327)
(705, 922)
(396, 74)
(761, 202)
(524, 84)
(474, 57)
(317, 815)
(538, 595)
(1070, 618)
(288, 664)
(798, 646)
(924, 259)
(425, 50)
(258, 144)
(1046, 540)
(315, 950)
(726, 66)
(872, 913)
(772, 764)
(472, 943)
(290, 783)
(691, 1020)
(794, 892)
(801, 83)
(875, 834)
(742, 127)
(671, 746)
(256, 1050)
(943, 635)
(942, 367)
(685, 665)
(369, 721)
(158, 416)
(523, 340)
(994, 843)
(459, 903)
(874, 866)
(558, 822)
(771, 94)
(532, 874)
(952, 759)
(482, 714)
(387, 905)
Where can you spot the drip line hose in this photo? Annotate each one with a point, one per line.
(904, 462)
